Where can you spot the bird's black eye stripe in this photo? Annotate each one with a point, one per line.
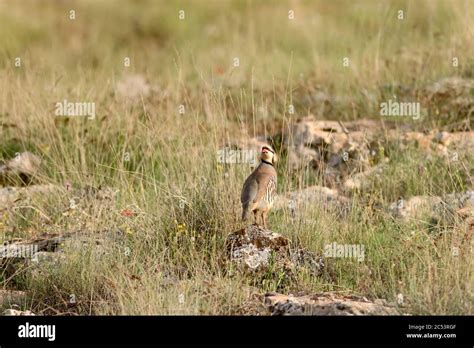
(268, 149)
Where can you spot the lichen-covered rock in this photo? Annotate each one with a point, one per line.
(313, 195)
(16, 312)
(252, 246)
(337, 148)
(326, 304)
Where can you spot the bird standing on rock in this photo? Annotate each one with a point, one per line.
(259, 191)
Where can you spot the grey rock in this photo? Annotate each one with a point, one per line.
(326, 304)
(20, 169)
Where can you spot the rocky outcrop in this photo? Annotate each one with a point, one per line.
(311, 141)
(252, 246)
(357, 144)
(348, 152)
(313, 195)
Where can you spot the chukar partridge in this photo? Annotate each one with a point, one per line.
(258, 193)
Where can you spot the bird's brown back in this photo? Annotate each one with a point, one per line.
(255, 187)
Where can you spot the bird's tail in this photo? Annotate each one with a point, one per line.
(245, 211)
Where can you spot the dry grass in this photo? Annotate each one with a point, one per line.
(186, 204)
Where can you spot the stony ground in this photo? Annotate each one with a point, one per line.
(135, 209)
